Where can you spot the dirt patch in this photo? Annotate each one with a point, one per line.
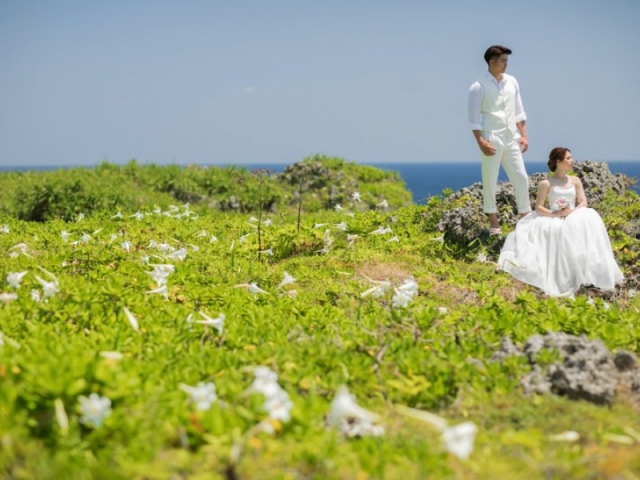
(384, 271)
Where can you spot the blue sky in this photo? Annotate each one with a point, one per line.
(275, 81)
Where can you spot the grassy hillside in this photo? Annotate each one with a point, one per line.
(89, 306)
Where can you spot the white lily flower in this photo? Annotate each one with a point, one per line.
(393, 239)
(482, 258)
(341, 226)
(320, 225)
(267, 222)
(138, 215)
(253, 219)
(324, 250)
(61, 416)
(328, 241)
(20, 248)
(165, 267)
(162, 290)
(442, 310)
(401, 299)
(277, 402)
(117, 215)
(383, 204)
(338, 207)
(5, 229)
(567, 436)
(410, 286)
(86, 238)
(65, 236)
(213, 239)
(356, 197)
(126, 245)
(152, 244)
(111, 355)
(243, 238)
(8, 297)
(94, 409)
(15, 278)
(202, 395)
(279, 406)
(265, 381)
(217, 323)
(132, 320)
(203, 233)
(49, 289)
(179, 254)
(350, 418)
(113, 237)
(268, 251)
(288, 279)
(459, 440)
(165, 247)
(253, 288)
(381, 230)
(80, 217)
(159, 276)
(377, 291)
(35, 295)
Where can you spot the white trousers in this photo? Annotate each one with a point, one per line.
(508, 155)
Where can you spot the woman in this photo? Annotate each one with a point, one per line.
(564, 245)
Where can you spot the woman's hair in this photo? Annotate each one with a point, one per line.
(556, 155)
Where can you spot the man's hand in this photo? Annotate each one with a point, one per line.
(486, 147)
(524, 144)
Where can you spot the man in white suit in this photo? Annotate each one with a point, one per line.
(498, 123)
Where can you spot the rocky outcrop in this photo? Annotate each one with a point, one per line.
(587, 370)
(465, 221)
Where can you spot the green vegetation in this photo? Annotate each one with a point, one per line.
(317, 333)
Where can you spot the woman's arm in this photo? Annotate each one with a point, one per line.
(581, 198)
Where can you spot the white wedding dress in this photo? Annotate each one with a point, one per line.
(557, 254)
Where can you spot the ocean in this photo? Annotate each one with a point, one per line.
(426, 180)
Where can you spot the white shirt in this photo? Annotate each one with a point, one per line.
(476, 92)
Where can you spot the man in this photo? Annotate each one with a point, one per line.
(497, 120)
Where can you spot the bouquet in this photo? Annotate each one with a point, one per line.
(560, 204)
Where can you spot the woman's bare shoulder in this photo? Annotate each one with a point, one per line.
(576, 180)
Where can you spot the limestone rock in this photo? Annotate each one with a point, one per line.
(465, 222)
(587, 369)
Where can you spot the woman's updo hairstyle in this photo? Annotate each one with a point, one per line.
(556, 155)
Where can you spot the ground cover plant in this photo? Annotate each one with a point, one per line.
(148, 337)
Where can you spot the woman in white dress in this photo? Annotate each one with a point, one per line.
(563, 244)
